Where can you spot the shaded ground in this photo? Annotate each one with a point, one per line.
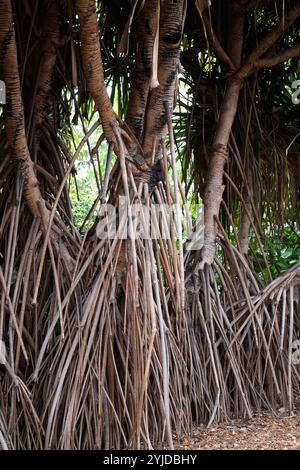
(261, 432)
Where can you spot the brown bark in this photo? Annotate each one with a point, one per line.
(214, 185)
(267, 62)
(269, 40)
(171, 26)
(93, 67)
(246, 211)
(47, 64)
(14, 120)
(15, 129)
(140, 87)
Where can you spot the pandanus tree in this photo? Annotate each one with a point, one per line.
(119, 341)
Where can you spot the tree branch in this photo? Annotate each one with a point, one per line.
(170, 33)
(140, 85)
(249, 6)
(15, 130)
(278, 59)
(93, 67)
(214, 183)
(215, 43)
(269, 40)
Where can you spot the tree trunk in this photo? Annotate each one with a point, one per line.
(170, 32)
(246, 210)
(92, 65)
(219, 156)
(14, 119)
(148, 26)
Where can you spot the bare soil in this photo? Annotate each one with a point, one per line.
(261, 432)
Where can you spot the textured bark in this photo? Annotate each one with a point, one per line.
(214, 185)
(47, 64)
(92, 65)
(140, 86)
(171, 26)
(15, 129)
(14, 118)
(246, 210)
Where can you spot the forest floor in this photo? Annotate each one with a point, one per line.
(259, 433)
